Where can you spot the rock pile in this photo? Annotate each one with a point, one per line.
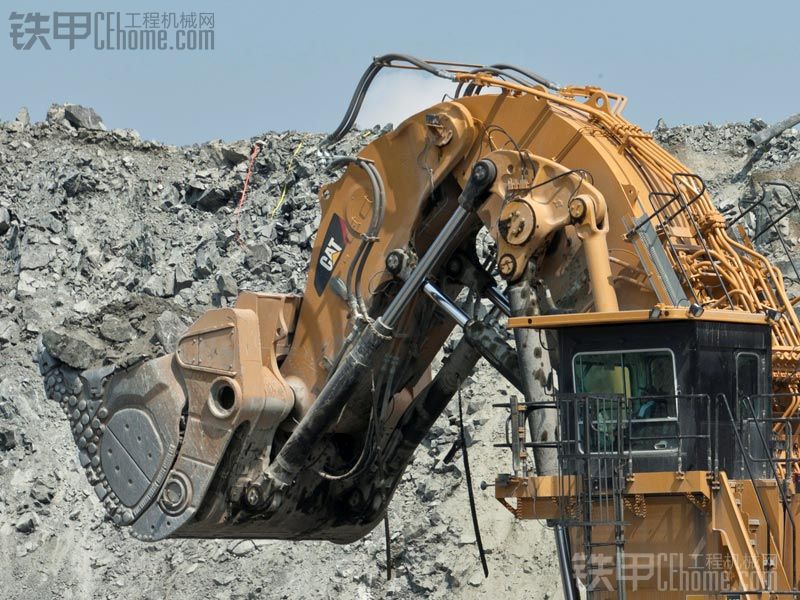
(110, 245)
(729, 140)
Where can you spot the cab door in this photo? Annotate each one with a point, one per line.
(751, 409)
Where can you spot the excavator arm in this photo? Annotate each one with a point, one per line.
(294, 417)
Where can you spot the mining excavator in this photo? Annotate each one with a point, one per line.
(654, 347)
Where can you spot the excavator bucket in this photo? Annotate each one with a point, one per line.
(151, 436)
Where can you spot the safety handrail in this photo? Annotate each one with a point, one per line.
(746, 457)
(628, 424)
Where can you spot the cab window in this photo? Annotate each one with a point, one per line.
(645, 379)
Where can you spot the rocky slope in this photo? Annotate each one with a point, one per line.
(128, 240)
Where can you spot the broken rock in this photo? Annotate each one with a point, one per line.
(26, 285)
(5, 220)
(22, 121)
(23, 116)
(206, 261)
(259, 258)
(227, 285)
(155, 285)
(36, 256)
(169, 328)
(42, 492)
(235, 154)
(76, 348)
(8, 439)
(242, 548)
(9, 331)
(55, 114)
(116, 329)
(78, 183)
(204, 197)
(183, 278)
(224, 579)
(27, 523)
(82, 117)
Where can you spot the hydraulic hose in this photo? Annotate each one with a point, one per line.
(532, 75)
(388, 60)
(369, 237)
(501, 70)
(378, 63)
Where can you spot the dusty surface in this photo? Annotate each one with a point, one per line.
(130, 240)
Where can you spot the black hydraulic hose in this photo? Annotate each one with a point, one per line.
(568, 587)
(387, 60)
(501, 70)
(472, 87)
(532, 75)
(351, 296)
(354, 106)
(388, 546)
(500, 73)
(470, 491)
(357, 100)
(369, 448)
(328, 405)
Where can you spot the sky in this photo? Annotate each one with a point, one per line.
(294, 65)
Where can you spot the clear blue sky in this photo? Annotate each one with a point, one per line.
(293, 65)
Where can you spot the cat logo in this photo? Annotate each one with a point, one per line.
(330, 255)
(333, 244)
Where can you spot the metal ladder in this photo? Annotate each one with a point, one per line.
(595, 455)
(599, 469)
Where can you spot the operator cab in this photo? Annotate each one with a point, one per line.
(668, 391)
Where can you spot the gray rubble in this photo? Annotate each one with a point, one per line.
(82, 117)
(111, 245)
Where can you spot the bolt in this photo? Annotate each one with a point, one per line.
(480, 173)
(507, 265)
(577, 209)
(252, 495)
(174, 494)
(393, 262)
